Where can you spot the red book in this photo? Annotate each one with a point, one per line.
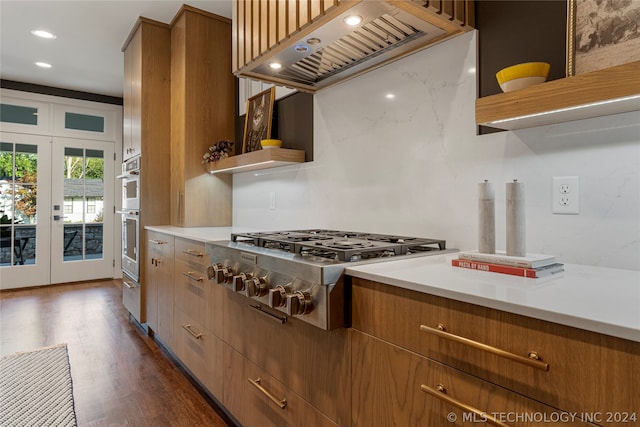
(508, 269)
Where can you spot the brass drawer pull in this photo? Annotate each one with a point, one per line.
(256, 383)
(532, 358)
(193, 253)
(280, 319)
(441, 393)
(196, 335)
(157, 242)
(190, 275)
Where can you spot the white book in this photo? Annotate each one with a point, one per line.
(500, 257)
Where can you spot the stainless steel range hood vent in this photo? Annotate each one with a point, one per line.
(331, 51)
(372, 39)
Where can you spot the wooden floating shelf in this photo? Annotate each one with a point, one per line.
(256, 160)
(598, 93)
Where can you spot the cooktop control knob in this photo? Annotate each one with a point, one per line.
(255, 287)
(221, 273)
(299, 303)
(237, 284)
(278, 296)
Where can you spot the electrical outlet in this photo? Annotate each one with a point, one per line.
(565, 195)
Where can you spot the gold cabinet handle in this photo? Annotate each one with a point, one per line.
(196, 335)
(532, 359)
(193, 253)
(157, 242)
(441, 393)
(190, 275)
(256, 383)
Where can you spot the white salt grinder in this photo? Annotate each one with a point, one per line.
(486, 218)
(516, 244)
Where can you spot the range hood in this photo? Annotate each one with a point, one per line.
(327, 51)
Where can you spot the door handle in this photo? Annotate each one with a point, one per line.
(58, 217)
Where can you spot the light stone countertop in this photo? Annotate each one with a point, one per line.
(200, 234)
(598, 299)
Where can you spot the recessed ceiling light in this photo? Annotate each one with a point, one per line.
(390, 96)
(275, 65)
(353, 20)
(43, 65)
(44, 34)
(300, 48)
(313, 41)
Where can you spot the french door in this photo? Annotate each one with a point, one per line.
(82, 210)
(57, 195)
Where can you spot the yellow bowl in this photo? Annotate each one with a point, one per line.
(522, 75)
(270, 143)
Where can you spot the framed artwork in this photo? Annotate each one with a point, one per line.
(257, 122)
(601, 34)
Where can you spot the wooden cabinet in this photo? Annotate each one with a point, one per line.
(563, 367)
(393, 386)
(159, 285)
(258, 399)
(311, 362)
(202, 113)
(197, 315)
(146, 122)
(200, 351)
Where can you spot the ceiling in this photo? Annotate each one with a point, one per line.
(87, 52)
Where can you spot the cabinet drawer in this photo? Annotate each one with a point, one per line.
(390, 387)
(587, 372)
(191, 290)
(257, 399)
(199, 297)
(314, 363)
(191, 252)
(132, 298)
(200, 351)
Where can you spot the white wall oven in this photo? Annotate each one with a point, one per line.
(130, 183)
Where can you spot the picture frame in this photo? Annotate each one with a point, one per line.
(601, 34)
(258, 118)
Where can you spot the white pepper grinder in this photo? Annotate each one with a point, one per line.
(486, 218)
(516, 242)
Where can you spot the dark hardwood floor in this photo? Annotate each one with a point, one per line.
(121, 377)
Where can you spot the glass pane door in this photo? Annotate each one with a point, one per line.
(82, 202)
(24, 199)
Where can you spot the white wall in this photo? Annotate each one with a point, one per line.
(410, 165)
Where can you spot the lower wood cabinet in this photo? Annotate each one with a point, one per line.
(312, 362)
(159, 283)
(577, 371)
(200, 351)
(256, 398)
(394, 386)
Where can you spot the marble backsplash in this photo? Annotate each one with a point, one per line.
(396, 151)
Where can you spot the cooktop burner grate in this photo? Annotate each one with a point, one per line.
(346, 246)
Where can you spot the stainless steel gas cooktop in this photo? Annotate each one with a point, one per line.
(300, 272)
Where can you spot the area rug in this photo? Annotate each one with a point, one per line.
(36, 388)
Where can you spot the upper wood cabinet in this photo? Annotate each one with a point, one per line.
(147, 76)
(146, 123)
(202, 113)
(317, 48)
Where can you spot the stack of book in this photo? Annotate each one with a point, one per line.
(532, 265)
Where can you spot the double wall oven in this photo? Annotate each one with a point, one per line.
(130, 214)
